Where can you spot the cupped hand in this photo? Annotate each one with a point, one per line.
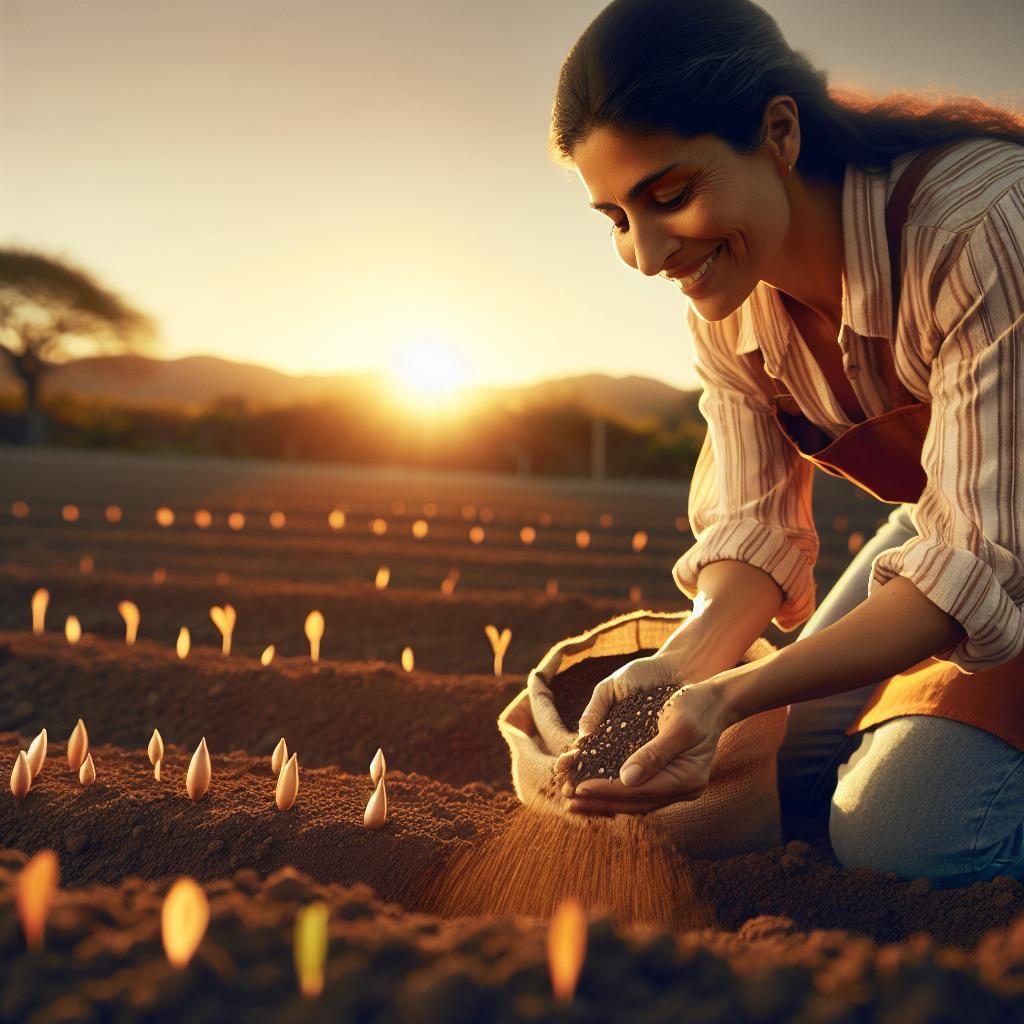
(672, 767)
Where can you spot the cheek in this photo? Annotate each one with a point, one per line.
(624, 249)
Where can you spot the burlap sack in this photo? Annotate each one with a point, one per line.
(739, 810)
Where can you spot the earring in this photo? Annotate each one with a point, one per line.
(789, 168)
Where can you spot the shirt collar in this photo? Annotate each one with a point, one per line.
(867, 296)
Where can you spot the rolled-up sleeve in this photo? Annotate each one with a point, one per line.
(750, 496)
(967, 557)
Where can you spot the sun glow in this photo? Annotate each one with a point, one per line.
(429, 375)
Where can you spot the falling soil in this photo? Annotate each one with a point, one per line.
(619, 866)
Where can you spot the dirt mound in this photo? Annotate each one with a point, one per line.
(331, 713)
(104, 960)
(126, 823)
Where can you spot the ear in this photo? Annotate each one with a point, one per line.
(781, 129)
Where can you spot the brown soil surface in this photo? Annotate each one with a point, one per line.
(780, 935)
(331, 713)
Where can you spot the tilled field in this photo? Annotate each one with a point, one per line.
(781, 934)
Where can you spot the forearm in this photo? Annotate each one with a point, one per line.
(739, 601)
(895, 628)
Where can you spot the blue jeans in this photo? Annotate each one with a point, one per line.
(917, 795)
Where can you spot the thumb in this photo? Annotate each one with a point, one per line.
(594, 713)
(645, 762)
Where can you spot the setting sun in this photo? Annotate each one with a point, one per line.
(429, 374)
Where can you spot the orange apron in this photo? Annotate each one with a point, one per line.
(882, 456)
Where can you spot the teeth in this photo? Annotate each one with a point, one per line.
(697, 275)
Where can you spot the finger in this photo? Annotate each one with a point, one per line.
(611, 807)
(662, 787)
(595, 712)
(649, 760)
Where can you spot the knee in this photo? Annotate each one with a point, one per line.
(875, 829)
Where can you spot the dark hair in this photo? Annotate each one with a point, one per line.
(695, 67)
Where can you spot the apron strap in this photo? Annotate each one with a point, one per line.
(896, 212)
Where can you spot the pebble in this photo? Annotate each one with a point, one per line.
(76, 842)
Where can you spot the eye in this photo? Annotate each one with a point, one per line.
(620, 227)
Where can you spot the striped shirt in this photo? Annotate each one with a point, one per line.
(959, 345)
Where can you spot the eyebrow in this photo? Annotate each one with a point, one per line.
(639, 187)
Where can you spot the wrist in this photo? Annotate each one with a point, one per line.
(740, 691)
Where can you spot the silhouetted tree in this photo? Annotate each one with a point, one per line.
(50, 311)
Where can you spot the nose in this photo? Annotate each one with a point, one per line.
(651, 249)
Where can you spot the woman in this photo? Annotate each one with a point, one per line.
(846, 321)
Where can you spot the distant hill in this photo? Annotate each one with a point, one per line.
(201, 380)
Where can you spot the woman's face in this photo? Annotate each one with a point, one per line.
(672, 201)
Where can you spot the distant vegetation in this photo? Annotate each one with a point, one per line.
(543, 439)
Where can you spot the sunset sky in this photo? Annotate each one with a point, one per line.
(331, 186)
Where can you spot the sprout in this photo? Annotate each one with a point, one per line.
(468, 512)
(583, 539)
(40, 599)
(486, 514)
(21, 776)
(224, 619)
(378, 766)
(552, 588)
(636, 595)
(855, 542)
(605, 519)
(268, 654)
(184, 643)
(277, 520)
(87, 773)
(236, 521)
(35, 889)
(37, 753)
(567, 948)
(311, 948)
(430, 509)
(376, 814)
(499, 644)
(476, 535)
(279, 756)
(527, 534)
(408, 661)
(288, 784)
(336, 519)
(202, 519)
(69, 513)
(449, 582)
(72, 629)
(197, 781)
(156, 752)
(86, 564)
(112, 513)
(159, 575)
(682, 524)
(164, 516)
(639, 541)
(545, 519)
(314, 632)
(420, 529)
(130, 613)
(19, 509)
(378, 527)
(383, 578)
(78, 746)
(183, 920)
